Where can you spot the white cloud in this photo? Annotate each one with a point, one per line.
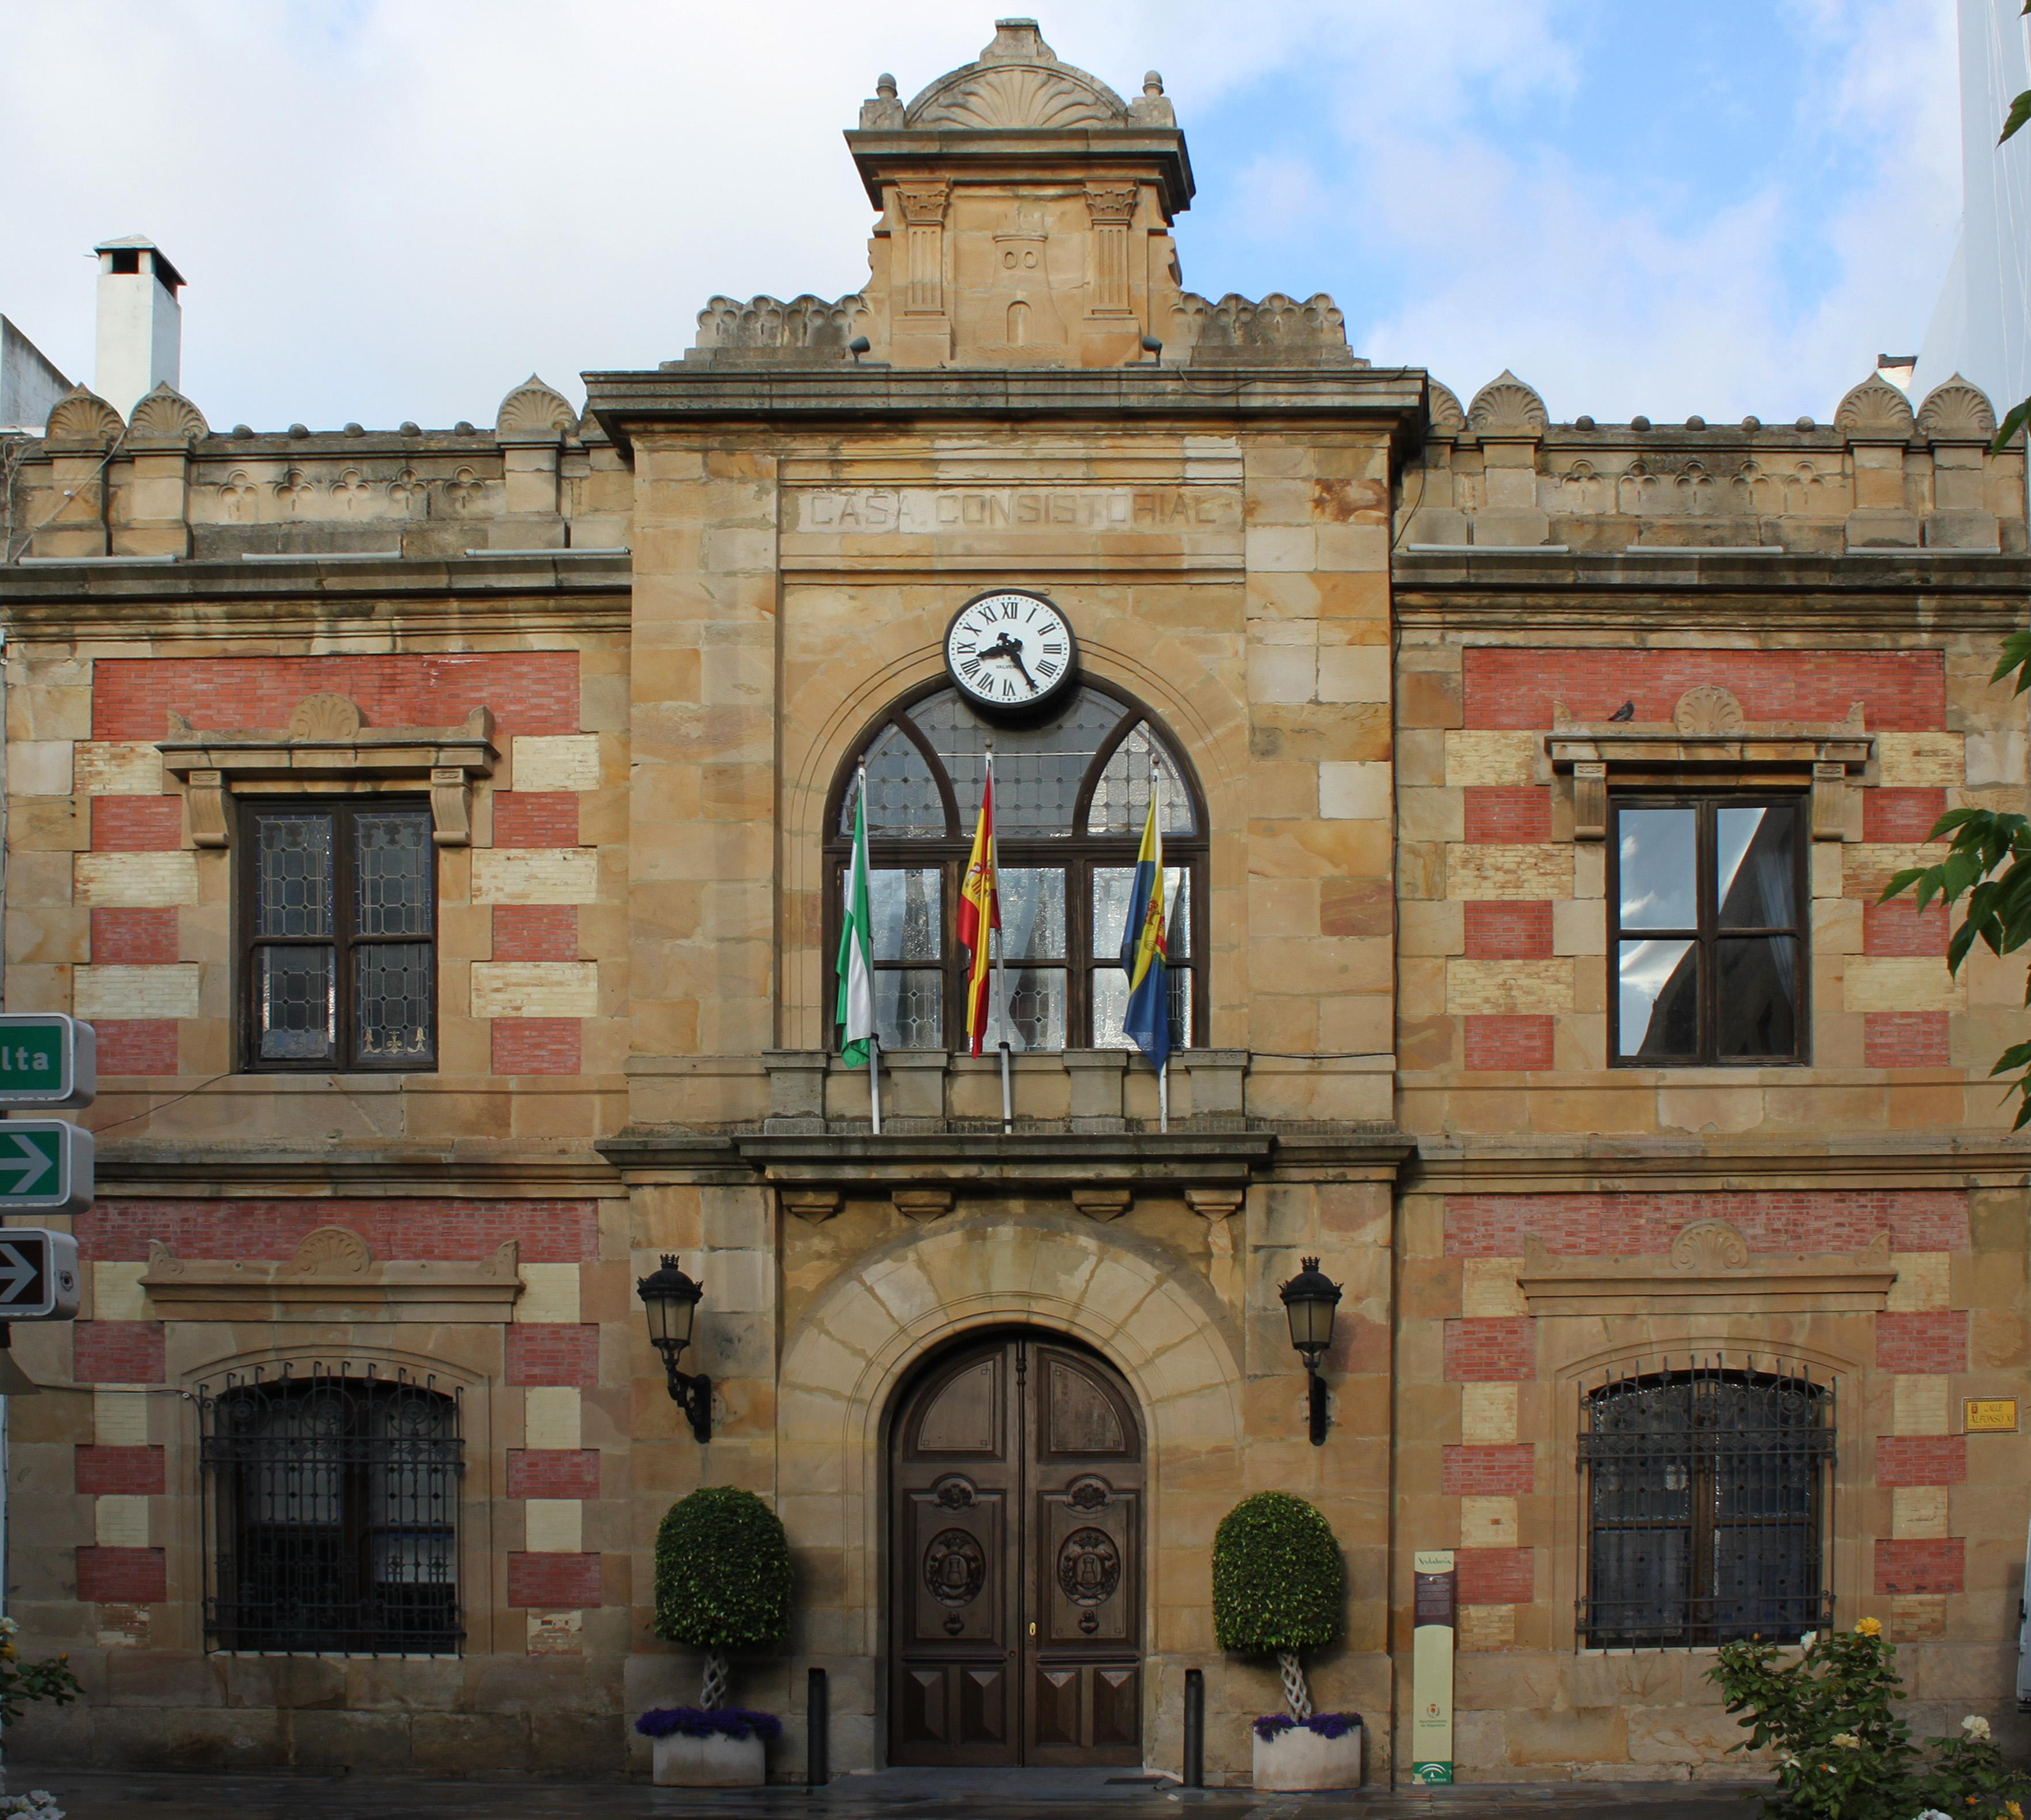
(393, 210)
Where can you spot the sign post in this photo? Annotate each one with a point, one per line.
(1433, 1616)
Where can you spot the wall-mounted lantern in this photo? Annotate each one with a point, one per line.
(671, 1301)
(1309, 1299)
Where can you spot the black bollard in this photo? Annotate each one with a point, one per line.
(818, 1714)
(1195, 1728)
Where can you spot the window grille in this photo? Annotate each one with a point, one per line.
(331, 1507)
(1706, 1502)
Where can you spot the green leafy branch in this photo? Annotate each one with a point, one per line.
(2018, 414)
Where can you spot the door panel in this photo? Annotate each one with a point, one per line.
(1015, 1595)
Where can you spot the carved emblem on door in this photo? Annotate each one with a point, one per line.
(1088, 1570)
(955, 1570)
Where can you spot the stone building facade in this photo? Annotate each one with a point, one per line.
(538, 742)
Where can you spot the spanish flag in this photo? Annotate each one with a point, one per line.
(1148, 1023)
(979, 911)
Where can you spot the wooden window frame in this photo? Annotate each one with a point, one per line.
(343, 811)
(1710, 933)
(1077, 854)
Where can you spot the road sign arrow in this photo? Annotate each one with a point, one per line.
(16, 1272)
(29, 1165)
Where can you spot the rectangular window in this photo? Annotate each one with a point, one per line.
(339, 911)
(332, 1509)
(1112, 887)
(1709, 947)
(1706, 1504)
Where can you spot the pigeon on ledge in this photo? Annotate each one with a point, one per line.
(1626, 712)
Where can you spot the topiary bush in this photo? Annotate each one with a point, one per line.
(1278, 1586)
(723, 1579)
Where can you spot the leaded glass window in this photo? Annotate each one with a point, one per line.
(340, 911)
(1071, 792)
(1705, 1498)
(1708, 948)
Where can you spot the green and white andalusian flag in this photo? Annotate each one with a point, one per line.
(855, 1013)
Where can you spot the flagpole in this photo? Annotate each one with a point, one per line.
(1163, 1073)
(873, 1035)
(1000, 971)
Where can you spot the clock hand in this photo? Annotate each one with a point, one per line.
(1007, 646)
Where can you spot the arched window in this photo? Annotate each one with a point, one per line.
(1071, 795)
(1706, 1507)
(332, 1507)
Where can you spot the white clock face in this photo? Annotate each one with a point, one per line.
(1009, 650)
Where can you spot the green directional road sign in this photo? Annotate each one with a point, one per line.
(46, 1059)
(45, 1166)
(38, 1277)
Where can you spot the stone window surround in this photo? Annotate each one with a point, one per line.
(327, 741)
(1709, 741)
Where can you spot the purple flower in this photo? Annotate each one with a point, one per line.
(1273, 1725)
(713, 1722)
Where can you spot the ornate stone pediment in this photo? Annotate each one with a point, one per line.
(327, 737)
(334, 1276)
(166, 415)
(534, 412)
(1956, 411)
(81, 416)
(1017, 82)
(1506, 407)
(1709, 1270)
(1875, 411)
(1709, 733)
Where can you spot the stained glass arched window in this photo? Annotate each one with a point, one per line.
(1071, 792)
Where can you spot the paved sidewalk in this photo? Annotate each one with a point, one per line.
(910, 1794)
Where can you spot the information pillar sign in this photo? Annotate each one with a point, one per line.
(1433, 1616)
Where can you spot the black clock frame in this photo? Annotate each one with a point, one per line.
(1037, 707)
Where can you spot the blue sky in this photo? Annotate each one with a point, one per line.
(388, 212)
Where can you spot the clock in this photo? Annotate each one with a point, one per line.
(1010, 652)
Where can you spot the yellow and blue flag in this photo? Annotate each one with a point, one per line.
(1148, 1023)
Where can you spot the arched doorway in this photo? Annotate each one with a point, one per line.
(1015, 1579)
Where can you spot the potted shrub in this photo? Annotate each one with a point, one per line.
(722, 1584)
(1278, 1587)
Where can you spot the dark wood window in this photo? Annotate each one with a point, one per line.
(1705, 1500)
(1708, 949)
(1071, 797)
(338, 914)
(332, 1507)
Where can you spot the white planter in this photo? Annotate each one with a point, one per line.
(1299, 1759)
(714, 1762)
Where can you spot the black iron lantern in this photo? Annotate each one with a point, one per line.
(672, 1299)
(1309, 1299)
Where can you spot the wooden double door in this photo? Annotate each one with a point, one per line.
(1015, 1559)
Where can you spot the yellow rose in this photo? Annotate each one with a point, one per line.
(1870, 1627)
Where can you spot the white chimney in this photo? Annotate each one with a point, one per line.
(140, 322)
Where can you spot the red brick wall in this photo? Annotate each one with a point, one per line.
(1499, 1349)
(553, 1472)
(535, 932)
(1906, 1039)
(1899, 691)
(1644, 1225)
(136, 1045)
(117, 1352)
(137, 1471)
(564, 1580)
(122, 1576)
(1520, 813)
(565, 1353)
(1900, 928)
(529, 692)
(548, 1232)
(1493, 1576)
(1935, 1566)
(1934, 1344)
(1508, 931)
(536, 1044)
(1521, 1041)
(135, 824)
(1901, 814)
(1487, 1472)
(535, 818)
(133, 938)
(1920, 1458)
